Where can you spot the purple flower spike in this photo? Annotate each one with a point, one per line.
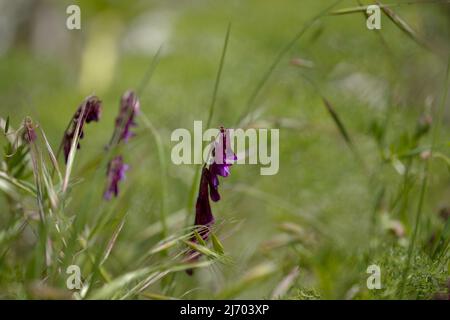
(129, 108)
(116, 173)
(89, 110)
(223, 158)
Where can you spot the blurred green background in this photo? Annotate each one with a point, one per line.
(371, 79)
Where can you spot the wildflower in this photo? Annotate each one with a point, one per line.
(116, 173)
(223, 158)
(89, 110)
(29, 135)
(203, 214)
(129, 107)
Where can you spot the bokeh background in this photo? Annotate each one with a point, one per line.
(319, 213)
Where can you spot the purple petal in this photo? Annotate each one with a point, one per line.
(116, 173)
(89, 110)
(129, 108)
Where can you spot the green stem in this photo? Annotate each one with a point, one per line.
(163, 168)
(193, 188)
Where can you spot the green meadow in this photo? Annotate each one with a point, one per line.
(364, 159)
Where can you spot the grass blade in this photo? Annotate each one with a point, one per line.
(338, 122)
(252, 277)
(283, 287)
(113, 240)
(109, 289)
(362, 8)
(218, 77)
(151, 69)
(23, 185)
(73, 149)
(52, 155)
(7, 125)
(163, 171)
(159, 144)
(404, 26)
(217, 245)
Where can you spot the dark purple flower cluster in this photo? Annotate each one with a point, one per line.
(89, 110)
(116, 173)
(223, 157)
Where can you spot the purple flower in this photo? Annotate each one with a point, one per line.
(204, 218)
(203, 213)
(129, 108)
(116, 173)
(223, 159)
(89, 110)
(29, 134)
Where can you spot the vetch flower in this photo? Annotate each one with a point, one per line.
(223, 157)
(203, 213)
(116, 173)
(129, 108)
(204, 218)
(125, 120)
(29, 134)
(89, 110)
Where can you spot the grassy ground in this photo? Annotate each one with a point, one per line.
(312, 230)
